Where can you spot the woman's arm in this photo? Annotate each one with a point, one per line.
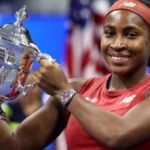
(106, 127)
(109, 128)
(36, 131)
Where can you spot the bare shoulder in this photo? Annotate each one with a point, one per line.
(77, 82)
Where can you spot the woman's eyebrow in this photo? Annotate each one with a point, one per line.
(108, 26)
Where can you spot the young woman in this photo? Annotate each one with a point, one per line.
(111, 111)
(106, 112)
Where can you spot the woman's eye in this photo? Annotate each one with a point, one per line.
(109, 33)
(131, 35)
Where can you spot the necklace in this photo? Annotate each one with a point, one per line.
(111, 88)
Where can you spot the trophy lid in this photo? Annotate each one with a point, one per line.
(15, 32)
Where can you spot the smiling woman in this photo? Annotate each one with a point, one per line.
(102, 113)
(124, 42)
(125, 38)
(110, 121)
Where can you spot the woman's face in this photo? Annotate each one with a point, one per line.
(125, 42)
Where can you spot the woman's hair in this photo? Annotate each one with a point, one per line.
(146, 2)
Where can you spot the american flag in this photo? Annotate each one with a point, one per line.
(83, 58)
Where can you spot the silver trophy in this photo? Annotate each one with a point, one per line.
(17, 54)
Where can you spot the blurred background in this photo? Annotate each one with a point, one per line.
(68, 30)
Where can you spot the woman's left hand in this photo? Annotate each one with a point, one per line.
(51, 78)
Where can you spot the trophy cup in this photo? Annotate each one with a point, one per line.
(17, 54)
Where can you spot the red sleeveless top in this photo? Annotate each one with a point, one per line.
(120, 102)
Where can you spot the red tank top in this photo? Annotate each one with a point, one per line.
(120, 102)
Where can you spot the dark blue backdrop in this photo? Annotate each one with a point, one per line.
(47, 31)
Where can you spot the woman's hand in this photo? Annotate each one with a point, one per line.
(51, 78)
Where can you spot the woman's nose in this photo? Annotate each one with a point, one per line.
(118, 43)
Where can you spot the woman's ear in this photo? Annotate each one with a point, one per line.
(149, 49)
(149, 55)
(148, 62)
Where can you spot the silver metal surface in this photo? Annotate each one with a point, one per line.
(16, 57)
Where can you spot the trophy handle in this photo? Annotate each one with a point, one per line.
(22, 89)
(41, 55)
(45, 56)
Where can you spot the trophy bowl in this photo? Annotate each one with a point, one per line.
(17, 54)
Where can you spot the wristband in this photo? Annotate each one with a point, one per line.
(67, 96)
